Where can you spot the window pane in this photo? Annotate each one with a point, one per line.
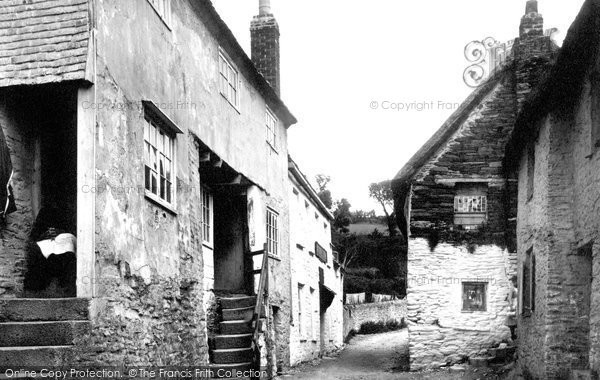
(154, 183)
(147, 177)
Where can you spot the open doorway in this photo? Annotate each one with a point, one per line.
(230, 244)
(47, 117)
(228, 263)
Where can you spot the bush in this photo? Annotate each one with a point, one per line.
(381, 327)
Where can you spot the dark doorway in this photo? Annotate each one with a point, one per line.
(230, 216)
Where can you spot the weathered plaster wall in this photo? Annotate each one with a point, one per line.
(306, 229)
(356, 315)
(440, 332)
(149, 260)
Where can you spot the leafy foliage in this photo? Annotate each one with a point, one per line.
(342, 216)
(382, 193)
(324, 193)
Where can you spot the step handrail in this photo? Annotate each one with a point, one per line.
(261, 297)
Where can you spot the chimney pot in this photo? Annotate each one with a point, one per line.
(264, 7)
(532, 7)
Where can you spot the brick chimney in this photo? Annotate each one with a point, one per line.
(532, 23)
(264, 33)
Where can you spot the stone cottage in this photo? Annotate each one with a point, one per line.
(553, 152)
(163, 147)
(450, 199)
(317, 291)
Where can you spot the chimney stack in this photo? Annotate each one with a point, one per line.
(264, 33)
(532, 23)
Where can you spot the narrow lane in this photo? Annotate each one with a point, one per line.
(379, 357)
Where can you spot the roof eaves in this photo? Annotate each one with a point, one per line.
(227, 40)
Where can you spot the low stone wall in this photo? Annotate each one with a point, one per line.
(356, 315)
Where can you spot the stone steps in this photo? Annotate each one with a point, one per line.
(41, 332)
(52, 333)
(236, 327)
(232, 356)
(233, 341)
(237, 302)
(34, 356)
(32, 309)
(233, 346)
(244, 313)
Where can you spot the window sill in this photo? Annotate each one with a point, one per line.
(276, 258)
(473, 311)
(160, 203)
(207, 245)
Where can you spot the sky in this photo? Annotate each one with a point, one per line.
(346, 63)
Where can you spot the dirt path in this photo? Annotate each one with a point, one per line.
(366, 357)
(376, 357)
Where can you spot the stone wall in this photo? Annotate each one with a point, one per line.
(533, 228)
(441, 332)
(356, 315)
(560, 225)
(14, 235)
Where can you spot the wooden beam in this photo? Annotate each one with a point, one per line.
(86, 201)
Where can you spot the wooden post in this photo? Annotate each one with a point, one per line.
(86, 200)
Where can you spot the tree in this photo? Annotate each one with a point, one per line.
(323, 193)
(342, 216)
(382, 193)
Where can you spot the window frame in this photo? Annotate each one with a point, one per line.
(273, 240)
(301, 329)
(271, 137)
(464, 286)
(207, 210)
(466, 194)
(163, 9)
(152, 122)
(225, 80)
